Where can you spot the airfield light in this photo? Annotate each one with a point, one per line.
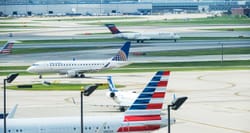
(9, 79)
(176, 104)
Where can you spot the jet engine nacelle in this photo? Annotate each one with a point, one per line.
(71, 74)
(111, 94)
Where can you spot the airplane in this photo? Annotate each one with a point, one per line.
(75, 68)
(6, 49)
(141, 37)
(124, 99)
(144, 115)
(9, 115)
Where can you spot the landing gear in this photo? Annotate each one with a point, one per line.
(80, 76)
(138, 41)
(174, 40)
(40, 76)
(122, 109)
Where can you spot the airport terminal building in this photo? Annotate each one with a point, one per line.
(114, 7)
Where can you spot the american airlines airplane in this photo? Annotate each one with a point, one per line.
(144, 115)
(6, 49)
(75, 68)
(140, 37)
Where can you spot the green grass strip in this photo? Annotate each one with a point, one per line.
(60, 87)
(46, 50)
(196, 52)
(229, 29)
(155, 66)
(92, 19)
(70, 40)
(192, 21)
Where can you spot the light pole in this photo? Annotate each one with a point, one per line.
(81, 111)
(175, 106)
(9, 79)
(86, 92)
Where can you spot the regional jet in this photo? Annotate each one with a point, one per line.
(75, 68)
(6, 49)
(144, 115)
(124, 99)
(141, 37)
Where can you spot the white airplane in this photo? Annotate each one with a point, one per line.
(6, 49)
(141, 37)
(124, 99)
(75, 68)
(144, 115)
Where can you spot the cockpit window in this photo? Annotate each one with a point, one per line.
(35, 64)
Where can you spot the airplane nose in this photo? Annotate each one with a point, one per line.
(30, 69)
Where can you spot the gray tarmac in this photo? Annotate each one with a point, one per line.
(218, 101)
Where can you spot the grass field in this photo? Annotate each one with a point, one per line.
(193, 21)
(91, 19)
(60, 87)
(62, 49)
(230, 29)
(196, 52)
(155, 66)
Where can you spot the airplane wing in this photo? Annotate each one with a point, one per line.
(141, 37)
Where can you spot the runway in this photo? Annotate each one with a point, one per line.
(218, 101)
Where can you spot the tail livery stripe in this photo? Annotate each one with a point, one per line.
(112, 28)
(138, 128)
(139, 118)
(7, 48)
(147, 107)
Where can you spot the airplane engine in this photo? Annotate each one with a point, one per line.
(71, 74)
(112, 94)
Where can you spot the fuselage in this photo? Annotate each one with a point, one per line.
(67, 67)
(91, 124)
(148, 36)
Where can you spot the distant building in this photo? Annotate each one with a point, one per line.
(241, 11)
(107, 7)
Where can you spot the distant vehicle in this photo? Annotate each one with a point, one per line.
(144, 115)
(7, 48)
(141, 37)
(77, 68)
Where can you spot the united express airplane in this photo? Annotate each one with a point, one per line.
(143, 115)
(75, 68)
(141, 37)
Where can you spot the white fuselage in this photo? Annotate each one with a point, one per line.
(73, 67)
(91, 124)
(148, 36)
(125, 99)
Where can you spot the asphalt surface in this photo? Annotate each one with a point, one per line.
(218, 101)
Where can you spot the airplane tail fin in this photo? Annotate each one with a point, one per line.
(122, 54)
(148, 105)
(111, 84)
(12, 112)
(113, 28)
(6, 49)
